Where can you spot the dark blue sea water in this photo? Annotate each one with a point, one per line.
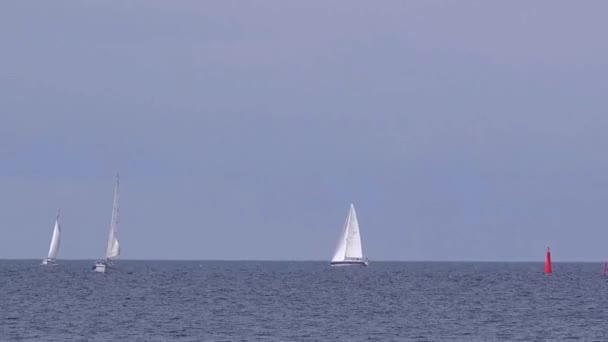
(302, 301)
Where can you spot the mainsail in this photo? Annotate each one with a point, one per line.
(349, 244)
(113, 249)
(55, 240)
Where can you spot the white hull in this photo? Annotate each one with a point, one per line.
(100, 267)
(349, 263)
(51, 262)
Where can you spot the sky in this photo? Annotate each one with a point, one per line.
(242, 130)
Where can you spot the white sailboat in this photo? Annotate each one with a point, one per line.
(113, 248)
(51, 258)
(350, 251)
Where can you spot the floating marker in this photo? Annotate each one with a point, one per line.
(605, 269)
(548, 268)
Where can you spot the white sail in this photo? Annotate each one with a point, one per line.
(354, 249)
(349, 244)
(340, 253)
(55, 240)
(113, 249)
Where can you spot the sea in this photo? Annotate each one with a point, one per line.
(302, 301)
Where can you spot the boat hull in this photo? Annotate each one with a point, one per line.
(100, 267)
(47, 261)
(349, 263)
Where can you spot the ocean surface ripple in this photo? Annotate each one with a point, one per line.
(302, 301)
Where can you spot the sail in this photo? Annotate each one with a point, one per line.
(349, 244)
(113, 249)
(353, 237)
(54, 248)
(341, 248)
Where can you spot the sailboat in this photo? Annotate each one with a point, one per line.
(51, 258)
(349, 251)
(113, 248)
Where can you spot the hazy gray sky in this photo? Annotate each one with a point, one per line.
(464, 130)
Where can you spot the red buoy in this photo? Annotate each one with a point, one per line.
(548, 268)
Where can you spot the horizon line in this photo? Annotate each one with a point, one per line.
(316, 260)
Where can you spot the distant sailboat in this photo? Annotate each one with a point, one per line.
(51, 258)
(113, 248)
(350, 251)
